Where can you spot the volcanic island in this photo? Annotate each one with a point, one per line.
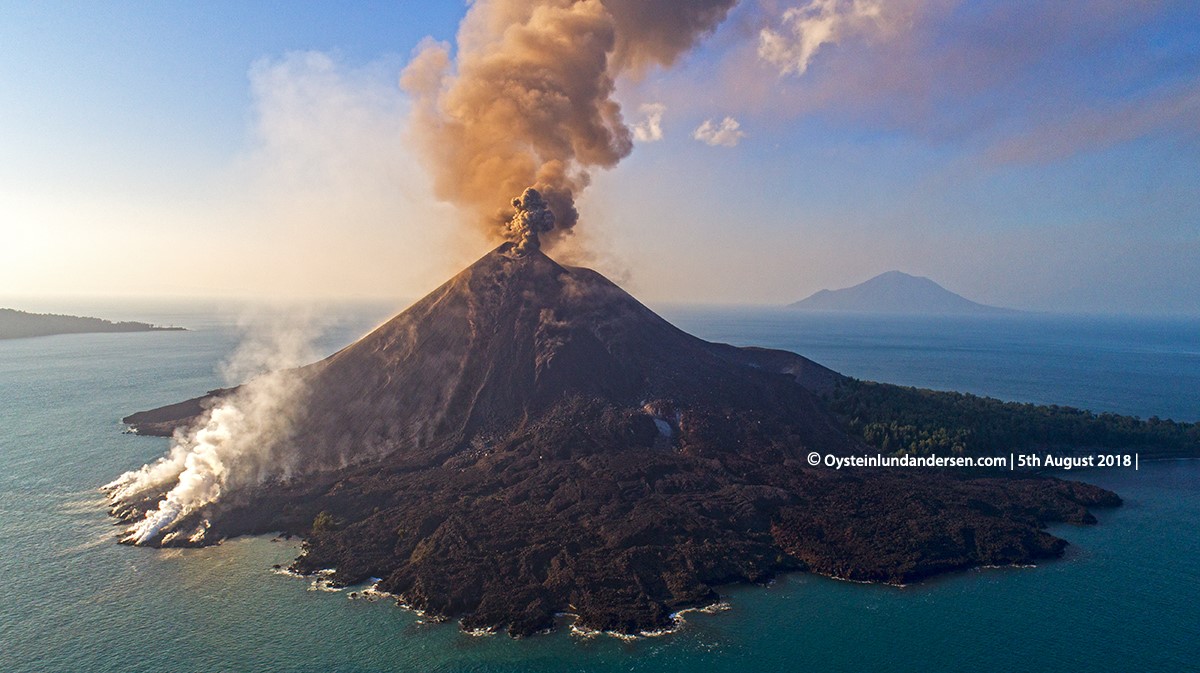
(529, 441)
(16, 324)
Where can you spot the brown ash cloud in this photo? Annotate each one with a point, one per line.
(527, 100)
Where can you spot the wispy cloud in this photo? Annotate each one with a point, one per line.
(805, 28)
(727, 133)
(649, 128)
(1036, 83)
(1174, 109)
(330, 182)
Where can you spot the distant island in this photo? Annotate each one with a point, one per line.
(16, 324)
(897, 292)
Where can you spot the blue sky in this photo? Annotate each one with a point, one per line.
(1037, 155)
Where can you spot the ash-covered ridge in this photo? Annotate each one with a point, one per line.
(530, 440)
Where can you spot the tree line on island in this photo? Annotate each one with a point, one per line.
(16, 324)
(904, 420)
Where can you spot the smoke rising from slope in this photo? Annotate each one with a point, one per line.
(241, 442)
(529, 101)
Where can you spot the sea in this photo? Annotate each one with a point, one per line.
(1126, 596)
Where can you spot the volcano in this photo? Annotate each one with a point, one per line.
(529, 440)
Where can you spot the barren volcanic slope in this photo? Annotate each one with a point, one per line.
(530, 440)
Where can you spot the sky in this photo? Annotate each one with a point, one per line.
(1037, 155)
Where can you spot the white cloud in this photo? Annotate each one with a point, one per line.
(728, 133)
(804, 29)
(649, 129)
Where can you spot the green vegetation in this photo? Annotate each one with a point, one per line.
(324, 523)
(900, 420)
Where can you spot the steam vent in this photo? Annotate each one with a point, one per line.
(530, 440)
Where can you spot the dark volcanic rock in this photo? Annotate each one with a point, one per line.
(163, 421)
(529, 440)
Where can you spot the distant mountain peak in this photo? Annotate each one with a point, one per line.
(895, 292)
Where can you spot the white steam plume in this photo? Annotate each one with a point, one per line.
(241, 442)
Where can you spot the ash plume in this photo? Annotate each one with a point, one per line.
(241, 442)
(533, 218)
(529, 100)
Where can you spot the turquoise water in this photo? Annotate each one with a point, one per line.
(1126, 597)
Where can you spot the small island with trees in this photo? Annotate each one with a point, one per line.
(900, 420)
(16, 324)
